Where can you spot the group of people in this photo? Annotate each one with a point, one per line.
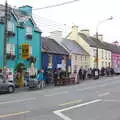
(51, 76)
(91, 73)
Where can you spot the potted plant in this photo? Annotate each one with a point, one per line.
(32, 59)
(8, 56)
(20, 68)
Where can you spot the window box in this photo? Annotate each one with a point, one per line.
(10, 56)
(29, 36)
(11, 33)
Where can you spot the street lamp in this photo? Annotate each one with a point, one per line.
(99, 23)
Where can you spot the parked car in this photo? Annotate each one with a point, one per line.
(6, 86)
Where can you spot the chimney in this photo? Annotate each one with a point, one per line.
(56, 35)
(100, 37)
(74, 29)
(85, 31)
(26, 10)
(116, 43)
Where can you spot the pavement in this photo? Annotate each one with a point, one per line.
(91, 100)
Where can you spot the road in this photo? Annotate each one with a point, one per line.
(90, 100)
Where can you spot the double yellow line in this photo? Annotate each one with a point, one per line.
(70, 103)
(14, 114)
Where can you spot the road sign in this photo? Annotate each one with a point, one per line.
(25, 51)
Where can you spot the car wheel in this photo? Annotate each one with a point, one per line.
(11, 89)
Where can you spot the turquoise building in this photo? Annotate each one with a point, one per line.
(24, 38)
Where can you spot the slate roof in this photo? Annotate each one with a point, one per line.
(51, 46)
(113, 48)
(73, 47)
(93, 42)
(21, 16)
(99, 43)
(88, 40)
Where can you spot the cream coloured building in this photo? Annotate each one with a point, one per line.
(91, 44)
(79, 57)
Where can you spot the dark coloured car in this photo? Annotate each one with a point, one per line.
(6, 86)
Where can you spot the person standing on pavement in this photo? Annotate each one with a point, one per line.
(40, 78)
(84, 73)
(80, 73)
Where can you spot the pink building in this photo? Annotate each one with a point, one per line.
(115, 49)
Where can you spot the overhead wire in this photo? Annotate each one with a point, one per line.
(56, 5)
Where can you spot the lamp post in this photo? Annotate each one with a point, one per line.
(99, 23)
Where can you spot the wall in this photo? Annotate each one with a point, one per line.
(116, 62)
(79, 61)
(1, 44)
(56, 59)
(18, 40)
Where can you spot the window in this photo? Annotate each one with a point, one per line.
(50, 59)
(102, 64)
(94, 52)
(29, 30)
(30, 50)
(85, 58)
(11, 49)
(102, 53)
(10, 26)
(81, 58)
(75, 57)
(106, 55)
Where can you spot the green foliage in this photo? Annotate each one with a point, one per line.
(20, 67)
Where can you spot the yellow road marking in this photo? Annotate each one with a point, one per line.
(104, 94)
(70, 102)
(13, 114)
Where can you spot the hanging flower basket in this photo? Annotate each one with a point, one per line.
(29, 36)
(10, 56)
(11, 33)
(20, 67)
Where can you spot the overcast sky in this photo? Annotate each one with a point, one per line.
(84, 13)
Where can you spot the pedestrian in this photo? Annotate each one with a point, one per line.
(89, 73)
(55, 75)
(80, 73)
(40, 78)
(102, 71)
(84, 74)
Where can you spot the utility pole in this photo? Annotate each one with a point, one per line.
(5, 37)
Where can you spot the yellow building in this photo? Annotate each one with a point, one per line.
(90, 44)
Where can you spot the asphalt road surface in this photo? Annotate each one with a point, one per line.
(90, 100)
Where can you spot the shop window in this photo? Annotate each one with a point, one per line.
(50, 59)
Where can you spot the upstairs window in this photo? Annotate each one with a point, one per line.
(94, 52)
(11, 49)
(10, 26)
(29, 30)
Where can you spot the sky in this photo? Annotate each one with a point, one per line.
(84, 13)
